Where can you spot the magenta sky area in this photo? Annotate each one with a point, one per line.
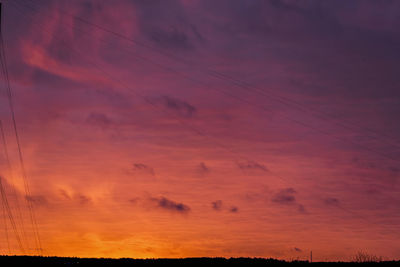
(188, 128)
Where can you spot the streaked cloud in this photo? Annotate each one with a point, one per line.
(143, 168)
(252, 165)
(285, 196)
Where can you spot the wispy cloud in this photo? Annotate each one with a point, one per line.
(82, 199)
(140, 167)
(252, 165)
(331, 201)
(79, 198)
(285, 196)
(219, 206)
(301, 208)
(170, 38)
(99, 119)
(38, 200)
(178, 106)
(202, 169)
(178, 32)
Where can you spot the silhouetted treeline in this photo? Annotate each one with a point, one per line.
(206, 262)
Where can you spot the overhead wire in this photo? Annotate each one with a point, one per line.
(14, 193)
(147, 100)
(257, 105)
(10, 215)
(152, 104)
(20, 155)
(96, 66)
(5, 225)
(350, 125)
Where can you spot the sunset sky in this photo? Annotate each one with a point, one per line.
(191, 128)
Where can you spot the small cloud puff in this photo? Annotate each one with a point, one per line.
(252, 165)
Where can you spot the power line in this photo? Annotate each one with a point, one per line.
(152, 104)
(5, 226)
(10, 215)
(20, 156)
(13, 190)
(239, 83)
(124, 85)
(96, 66)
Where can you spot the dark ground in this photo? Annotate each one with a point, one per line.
(58, 261)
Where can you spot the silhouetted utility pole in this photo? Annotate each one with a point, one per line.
(311, 256)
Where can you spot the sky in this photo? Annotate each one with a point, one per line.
(193, 128)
